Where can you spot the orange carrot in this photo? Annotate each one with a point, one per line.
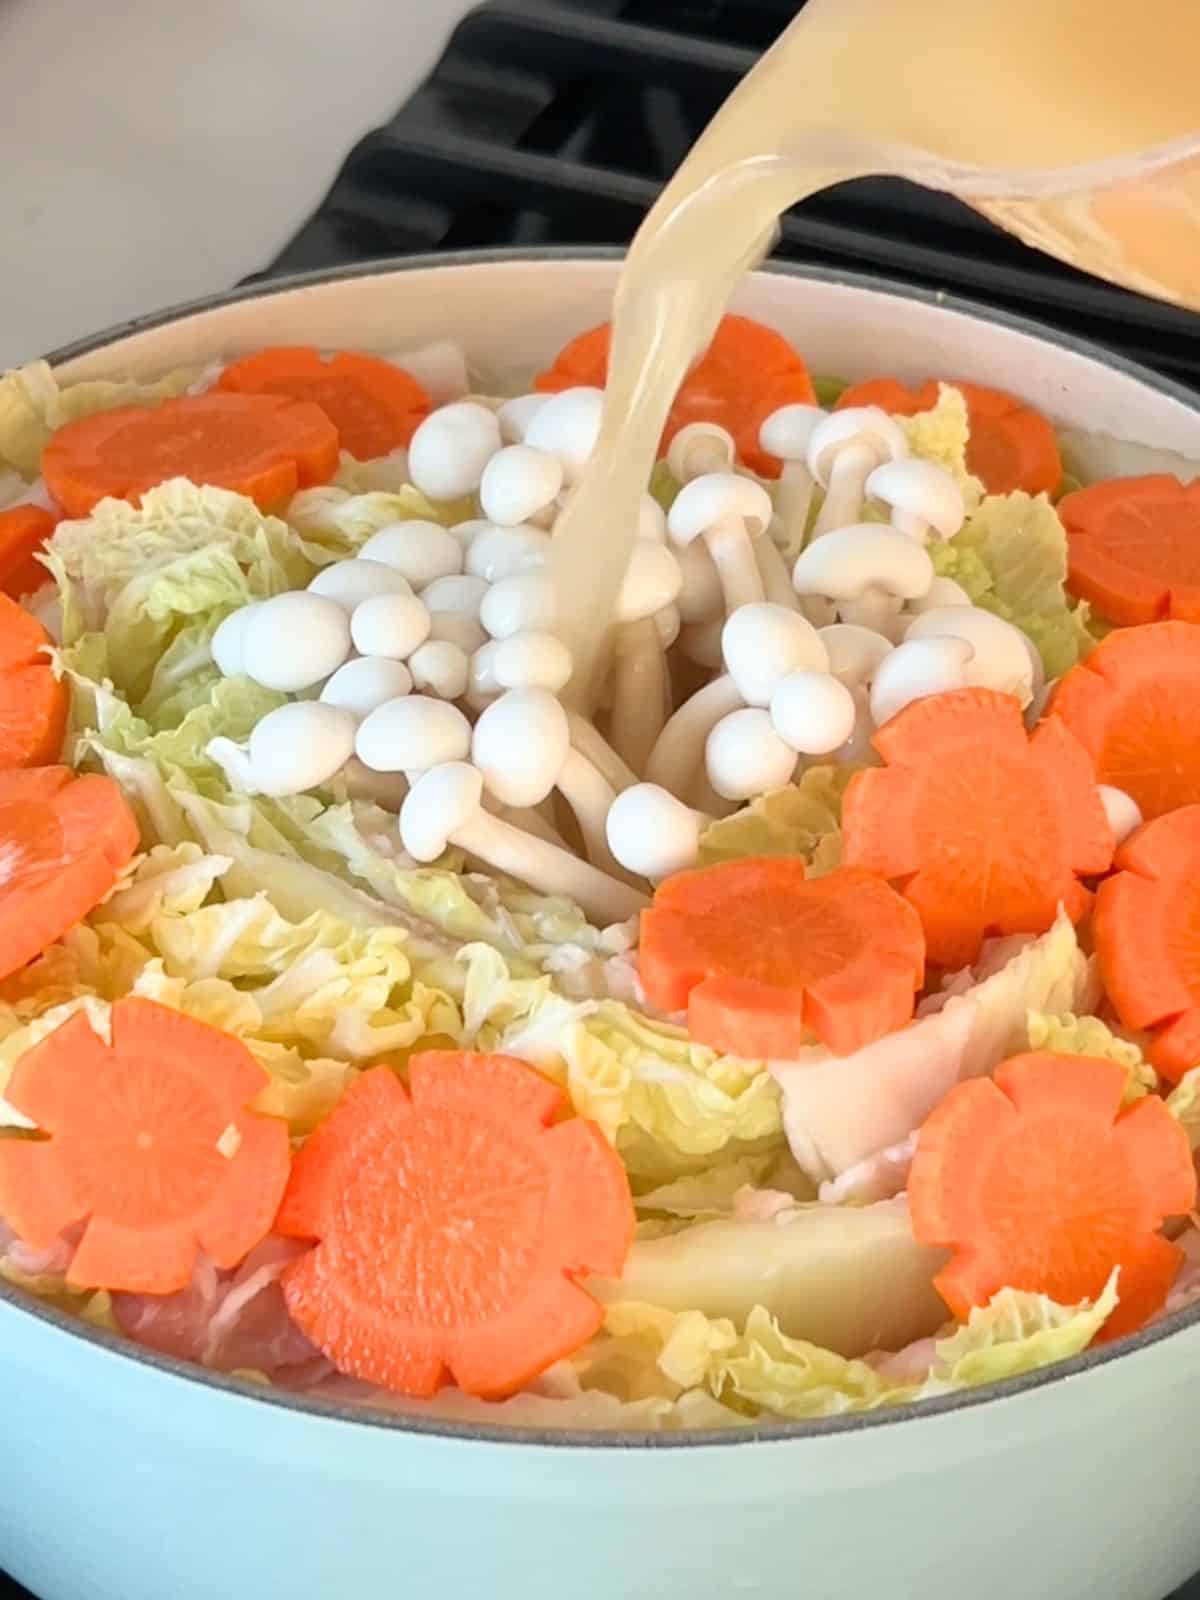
(63, 843)
(33, 702)
(1133, 548)
(985, 829)
(265, 446)
(1012, 446)
(1134, 705)
(150, 1144)
(23, 534)
(1038, 1180)
(374, 405)
(1146, 930)
(452, 1223)
(748, 371)
(764, 959)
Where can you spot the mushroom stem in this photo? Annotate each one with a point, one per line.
(793, 502)
(848, 476)
(548, 868)
(679, 749)
(873, 608)
(529, 820)
(774, 572)
(593, 745)
(639, 691)
(732, 550)
(583, 787)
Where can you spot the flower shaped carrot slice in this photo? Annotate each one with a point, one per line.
(764, 958)
(265, 446)
(23, 534)
(33, 702)
(150, 1146)
(1146, 928)
(748, 372)
(1037, 1180)
(63, 843)
(985, 829)
(374, 405)
(1134, 705)
(1133, 548)
(1012, 446)
(452, 1224)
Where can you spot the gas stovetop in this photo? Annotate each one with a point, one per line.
(557, 122)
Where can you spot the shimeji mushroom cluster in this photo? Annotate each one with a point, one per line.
(745, 644)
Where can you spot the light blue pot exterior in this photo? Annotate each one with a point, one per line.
(130, 1477)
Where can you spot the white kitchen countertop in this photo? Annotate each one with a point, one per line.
(159, 149)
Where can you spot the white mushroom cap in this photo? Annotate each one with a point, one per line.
(706, 501)
(942, 592)
(652, 580)
(744, 756)
(813, 713)
(390, 625)
(652, 519)
(520, 744)
(453, 605)
(412, 734)
(358, 579)
(517, 483)
(1122, 810)
(787, 432)
(651, 833)
(700, 448)
(854, 653)
(449, 450)
(421, 551)
(567, 426)
(701, 598)
(482, 684)
(440, 803)
(300, 746)
(531, 661)
(365, 683)
(520, 603)
(229, 641)
(916, 669)
(514, 416)
(867, 555)
(1003, 659)
(295, 640)
(441, 668)
(503, 552)
(465, 534)
(866, 425)
(921, 494)
(762, 643)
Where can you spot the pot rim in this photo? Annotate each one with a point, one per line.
(363, 1415)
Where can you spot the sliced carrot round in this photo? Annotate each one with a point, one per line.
(452, 1223)
(33, 702)
(1038, 1180)
(1133, 548)
(1134, 705)
(23, 534)
(265, 446)
(375, 406)
(151, 1146)
(63, 843)
(984, 829)
(1011, 447)
(1146, 929)
(748, 371)
(764, 958)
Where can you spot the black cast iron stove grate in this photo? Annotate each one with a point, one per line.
(557, 122)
